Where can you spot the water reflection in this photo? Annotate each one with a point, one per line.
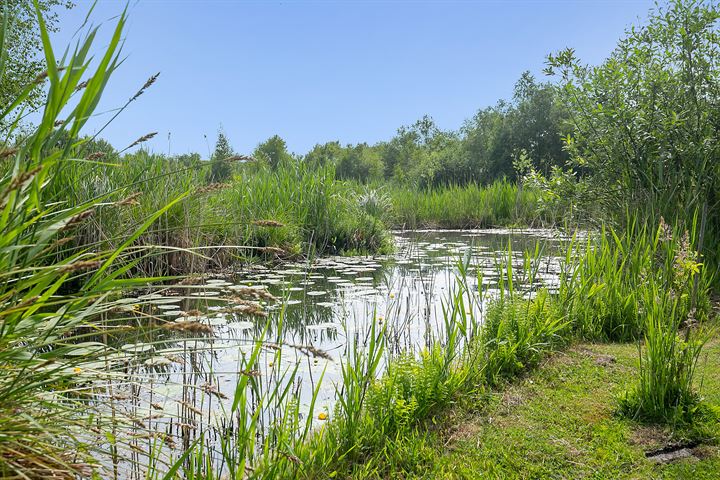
(181, 385)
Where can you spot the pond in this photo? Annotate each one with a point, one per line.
(309, 315)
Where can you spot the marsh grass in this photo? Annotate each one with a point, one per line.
(67, 265)
(501, 203)
(258, 213)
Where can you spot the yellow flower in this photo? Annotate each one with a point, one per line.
(323, 416)
(77, 369)
(392, 295)
(380, 319)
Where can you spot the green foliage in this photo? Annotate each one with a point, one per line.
(273, 151)
(48, 301)
(221, 168)
(470, 206)
(518, 333)
(645, 121)
(361, 163)
(23, 49)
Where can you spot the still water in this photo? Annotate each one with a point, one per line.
(183, 383)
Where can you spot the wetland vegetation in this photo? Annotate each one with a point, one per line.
(407, 309)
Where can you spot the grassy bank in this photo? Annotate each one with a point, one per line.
(561, 421)
(644, 288)
(77, 228)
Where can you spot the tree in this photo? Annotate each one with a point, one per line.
(24, 63)
(646, 121)
(362, 163)
(220, 169)
(326, 154)
(274, 152)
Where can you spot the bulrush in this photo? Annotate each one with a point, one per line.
(189, 327)
(142, 139)
(81, 265)
(248, 309)
(309, 350)
(256, 293)
(147, 85)
(77, 219)
(212, 389)
(18, 182)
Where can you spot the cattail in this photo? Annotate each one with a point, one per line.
(147, 85)
(81, 265)
(268, 223)
(142, 139)
(130, 200)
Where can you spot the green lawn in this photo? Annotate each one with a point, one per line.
(558, 422)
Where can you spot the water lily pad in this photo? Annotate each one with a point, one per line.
(242, 325)
(138, 347)
(317, 293)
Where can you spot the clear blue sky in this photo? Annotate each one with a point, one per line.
(317, 71)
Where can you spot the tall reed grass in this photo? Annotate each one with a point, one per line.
(469, 206)
(258, 213)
